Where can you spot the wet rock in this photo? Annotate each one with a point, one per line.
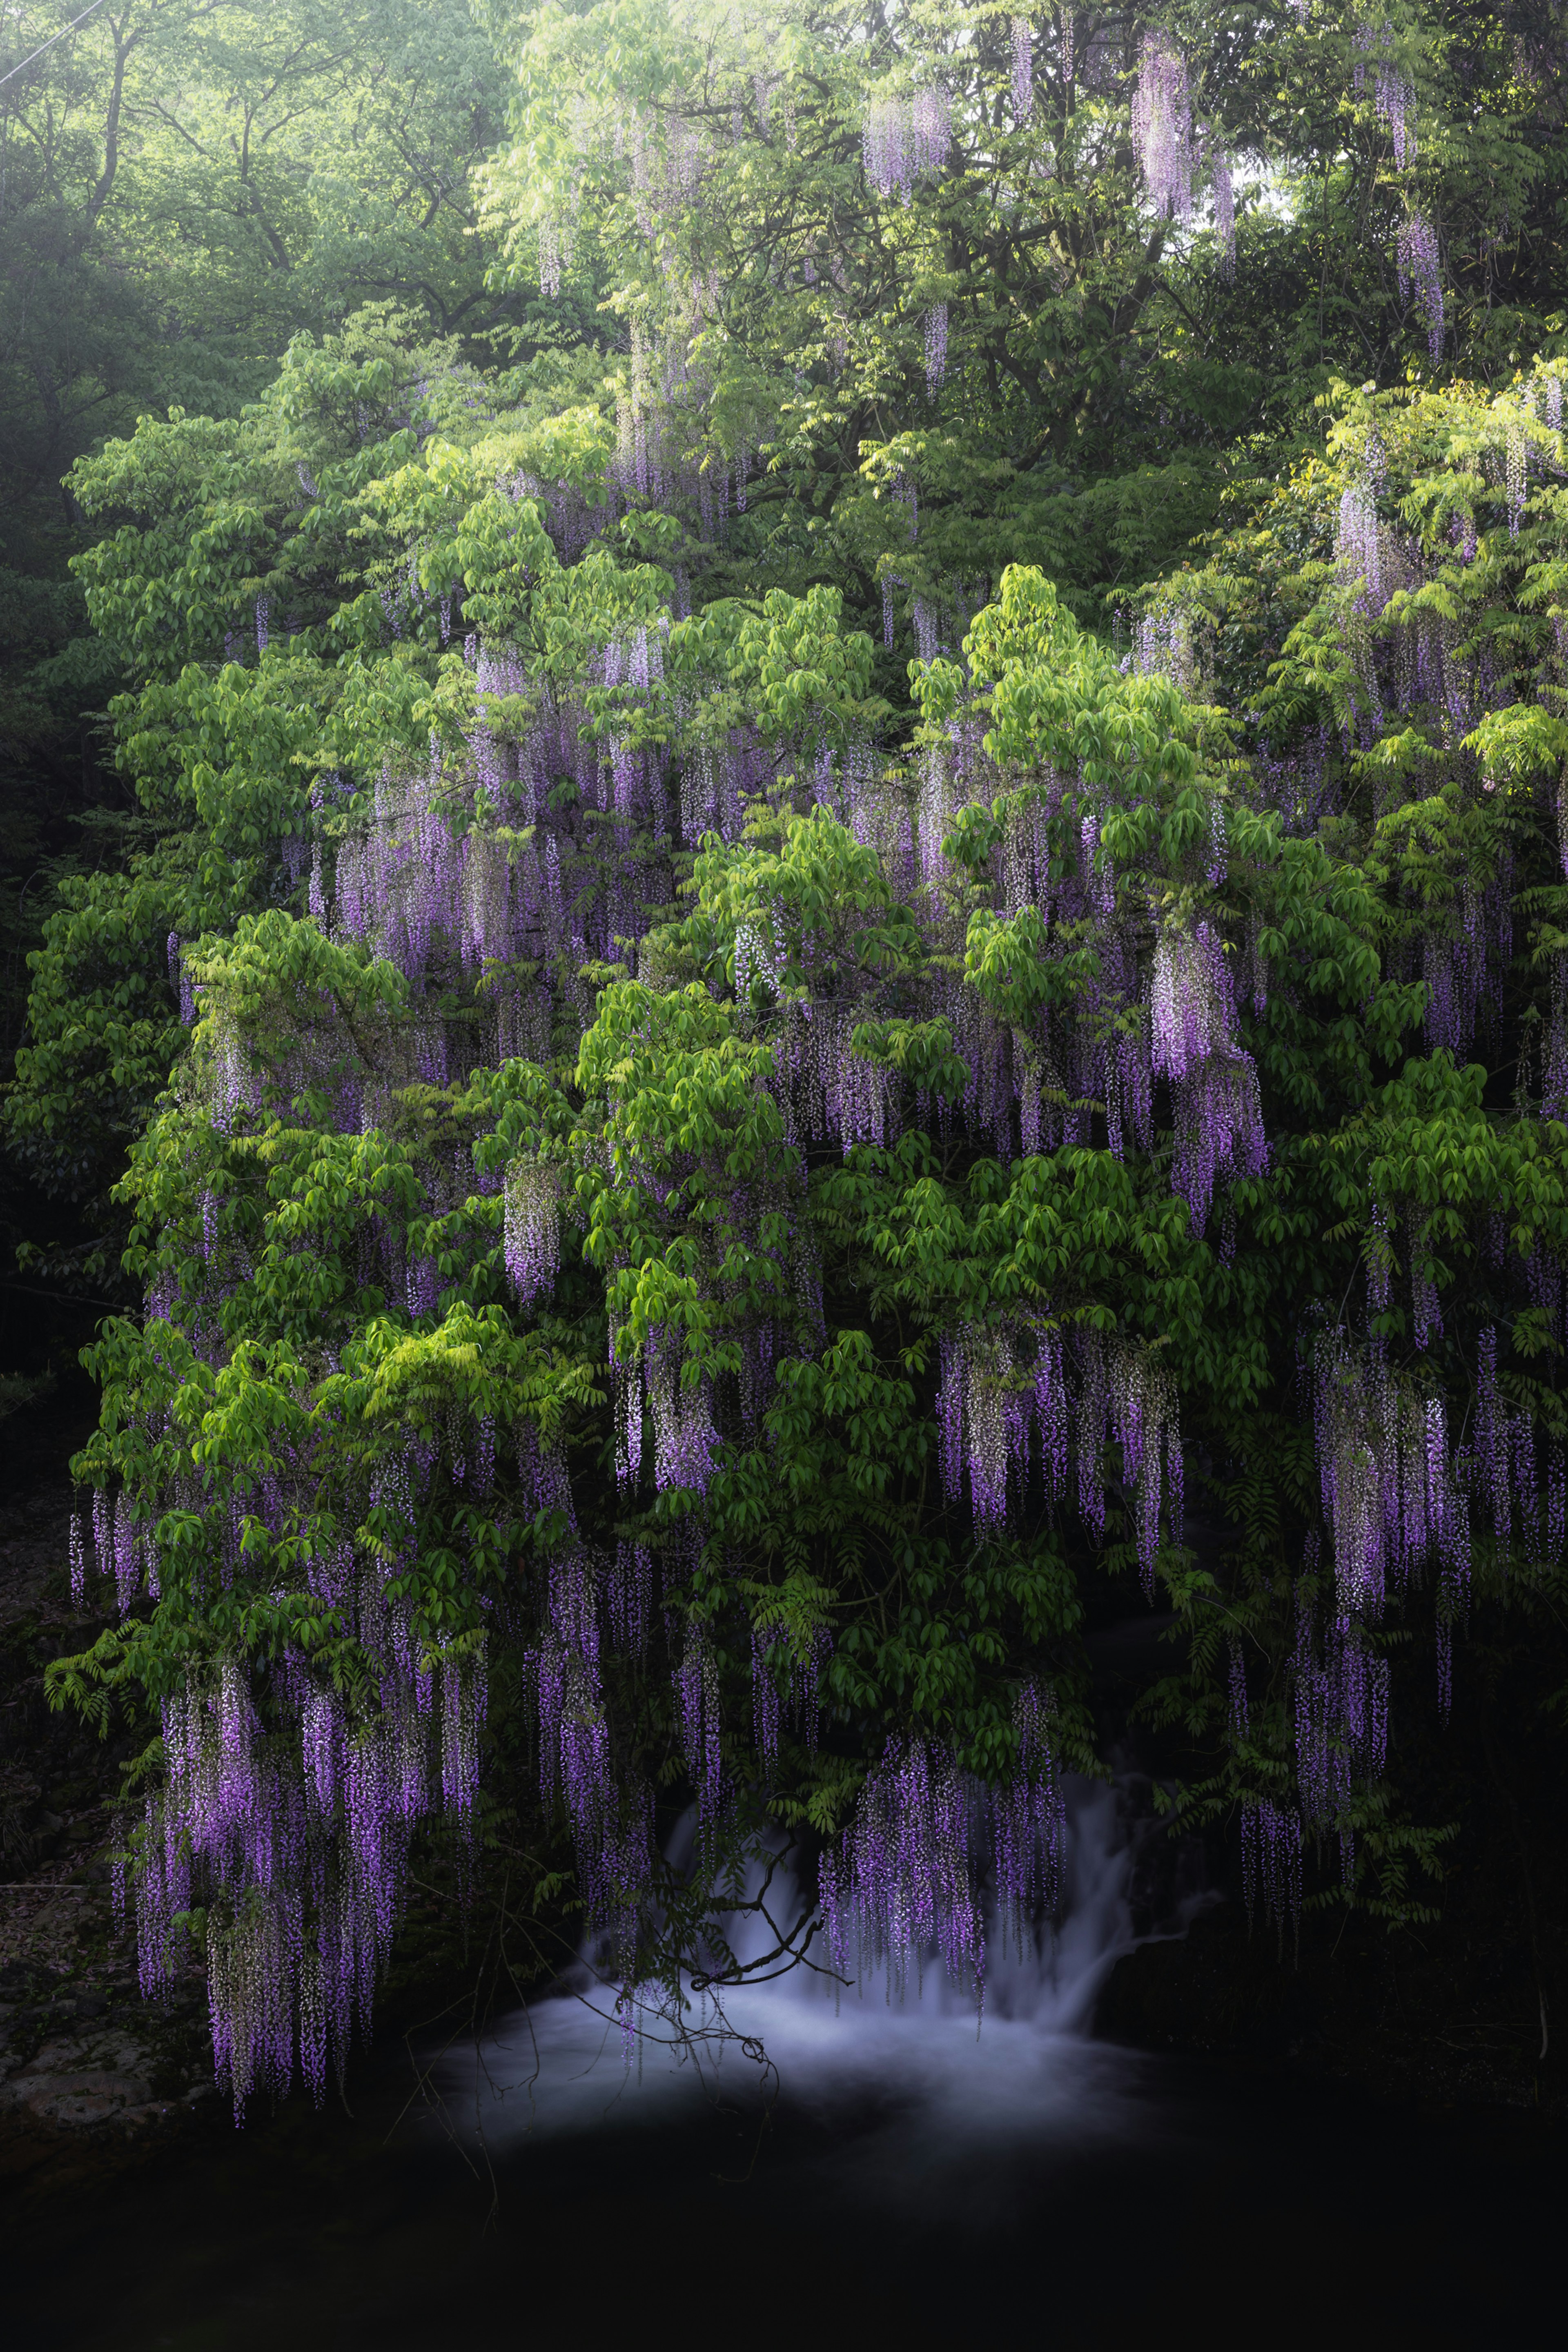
(97, 2094)
(75, 2083)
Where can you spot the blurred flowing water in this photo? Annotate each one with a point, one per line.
(915, 2084)
(814, 2165)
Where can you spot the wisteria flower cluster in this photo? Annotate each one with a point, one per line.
(906, 141)
(680, 1170)
(1163, 127)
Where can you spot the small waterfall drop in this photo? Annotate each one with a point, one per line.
(909, 2075)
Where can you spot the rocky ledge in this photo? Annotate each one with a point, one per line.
(91, 2076)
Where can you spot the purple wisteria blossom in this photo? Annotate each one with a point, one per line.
(532, 1228)
(936, 346)
(1163, 127)
(1271, 1864)
(1421, 277)
(1024, 72)
(1394, 91)
(903, 143)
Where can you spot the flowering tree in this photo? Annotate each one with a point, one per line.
(703, 1199)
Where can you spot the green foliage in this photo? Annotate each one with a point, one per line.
(1158, 706)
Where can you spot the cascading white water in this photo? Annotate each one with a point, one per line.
(934, 2074)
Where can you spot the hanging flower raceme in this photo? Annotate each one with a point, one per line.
(1554, 1039)
(1394, 91)
(1425, 1311)
(1341, 1709)
(180, 980)
(1421, 277)
(1218, 1107)
(930, 1850)
(1505, 1457)
(555, 246)
(1359, 545)
(684, 1438)
(885, 148)
(999, 1385)
(1237, 1712)
(1029, 1820)
(609, 1809)
(783, 1679)
(532, 1228)
(698, 1703)
(1271, 1863)
(1219, 1131)
(1162, 646)
(400, 876)
(1126, 1396)
(903, 143)
(1024, 72)
(1189, 1002)
(1390, 1499)
(124, 1549)
(825, 1088)
(295, 1841)
(931, 133)
(1516, 466)
(904, 1885)
(1163, 127)
(286, 1805)
(936, 346)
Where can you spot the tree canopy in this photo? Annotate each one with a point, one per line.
(854, 959)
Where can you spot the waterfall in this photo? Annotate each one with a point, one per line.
(1025, 2065)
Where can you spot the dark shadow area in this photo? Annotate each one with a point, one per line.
(1433, 2228)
